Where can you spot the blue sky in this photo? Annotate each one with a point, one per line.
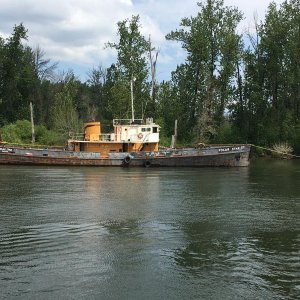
(74, 32)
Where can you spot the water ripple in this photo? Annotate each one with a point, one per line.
(109, 233)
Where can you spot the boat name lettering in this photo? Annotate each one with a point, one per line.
(237, 148)
(224, 149)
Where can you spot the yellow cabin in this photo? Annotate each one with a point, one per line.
(128, 136)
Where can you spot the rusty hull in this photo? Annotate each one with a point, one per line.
(228, 156)
(19, 159)
(221, 160)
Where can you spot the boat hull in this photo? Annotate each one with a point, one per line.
(227, 156)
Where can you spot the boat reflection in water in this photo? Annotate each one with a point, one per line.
(156, 233)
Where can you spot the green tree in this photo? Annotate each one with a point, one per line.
(16, 77)
(65, 118)
(44, 74)
(22, 74)
(269, 110)
(131, 65)
(44, 68)
(20, 133)
(212, 47)
(99, 93)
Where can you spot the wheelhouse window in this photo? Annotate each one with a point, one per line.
(145, 129)
(155, 129)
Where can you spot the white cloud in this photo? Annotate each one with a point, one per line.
(75, 32)
(71, 30)
(251, 9)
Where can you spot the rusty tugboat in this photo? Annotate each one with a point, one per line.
(133, 143)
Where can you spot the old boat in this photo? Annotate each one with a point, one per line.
(133, 143)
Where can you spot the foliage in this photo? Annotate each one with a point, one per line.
(283, 148)
(20, 133)
(22, 74)
(98, 91)
(43, 66)
(45, 136)
(15, 76)
(131, 67)
(227, 134)
(119, 105)
(205, 80)
(226, 91)
(269, 108)
(64, 115)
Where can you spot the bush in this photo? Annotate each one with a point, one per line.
(9, 134)
(296, 143)
(227, 134)
(45, 136)
(20, 133)
(257, 151)
(282, 150)
(165, 141)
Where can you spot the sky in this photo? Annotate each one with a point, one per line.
(74, 32)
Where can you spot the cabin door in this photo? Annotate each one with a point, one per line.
(125, 147)
(81, 146)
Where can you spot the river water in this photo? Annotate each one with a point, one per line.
(136, 233)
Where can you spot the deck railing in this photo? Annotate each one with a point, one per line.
(80, 137)
(127, 122)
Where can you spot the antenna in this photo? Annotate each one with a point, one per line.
(131, 89)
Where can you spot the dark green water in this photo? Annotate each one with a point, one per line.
(112, 233)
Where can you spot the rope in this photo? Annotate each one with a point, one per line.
(275, 151)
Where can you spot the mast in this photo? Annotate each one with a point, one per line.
(131, 90)
(153, 68)
(174, 136)
(32, 124)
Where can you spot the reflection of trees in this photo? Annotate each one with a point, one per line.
(123, 228)
(280, 258)
(275, 179)
(258, 261)
(15, 182)
(203, 251)
(125, 240)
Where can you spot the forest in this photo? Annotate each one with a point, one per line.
(231, 88)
